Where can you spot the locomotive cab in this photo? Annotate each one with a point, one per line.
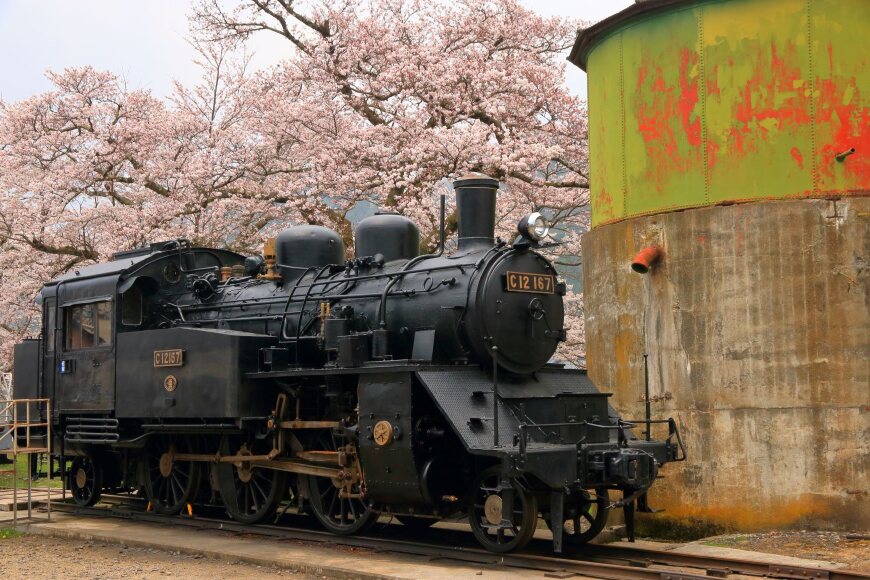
(86, 313)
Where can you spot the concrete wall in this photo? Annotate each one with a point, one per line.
(757, 323)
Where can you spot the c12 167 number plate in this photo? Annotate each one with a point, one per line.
(168, 358)
(529, 282)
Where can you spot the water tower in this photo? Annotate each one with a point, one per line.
(731, 139)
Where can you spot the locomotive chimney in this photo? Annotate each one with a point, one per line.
(475, 210)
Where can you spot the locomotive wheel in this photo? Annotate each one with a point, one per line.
(339, 515)
(585, 517)
(85, 480)
(485, 514)
(415, 523)
(170, 484)
(251, 494)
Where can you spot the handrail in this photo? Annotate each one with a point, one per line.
(12, 430)
(620, 426)
(27, 424)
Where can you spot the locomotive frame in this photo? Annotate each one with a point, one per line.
(382, 384)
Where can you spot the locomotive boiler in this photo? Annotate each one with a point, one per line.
(418, 386)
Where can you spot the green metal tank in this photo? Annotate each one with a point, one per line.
(734, 136)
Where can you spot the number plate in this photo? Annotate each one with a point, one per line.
(528, 282)
(168, 358)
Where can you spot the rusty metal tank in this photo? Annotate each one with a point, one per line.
(735, 136)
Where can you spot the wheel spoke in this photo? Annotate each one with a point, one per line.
(254, 499)
(331, 511)
(177, 481)
(175, 494)
(258, 488)
(343, 511)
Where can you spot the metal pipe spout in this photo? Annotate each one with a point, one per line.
(645, 259)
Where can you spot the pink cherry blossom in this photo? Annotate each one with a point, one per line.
(382, 100)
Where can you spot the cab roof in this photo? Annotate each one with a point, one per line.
(114, 267)
(100, 281)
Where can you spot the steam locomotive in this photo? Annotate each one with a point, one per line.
(417, 386)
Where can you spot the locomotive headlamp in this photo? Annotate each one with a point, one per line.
(534, 227)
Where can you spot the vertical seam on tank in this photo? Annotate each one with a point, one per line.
(703, 97)
(622, 127)
(811, 72)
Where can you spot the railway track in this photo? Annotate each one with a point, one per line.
(609, 562)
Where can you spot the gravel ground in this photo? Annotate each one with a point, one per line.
(830, 546)
(33, 556)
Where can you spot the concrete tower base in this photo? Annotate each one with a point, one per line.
(757, 323)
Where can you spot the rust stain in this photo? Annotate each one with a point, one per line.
(604, 205)
(624, 345)
(689, 97)
(770, 95)
(779, 514)
(665, 111)
(713, 82)
(840, 107)
(798, 157)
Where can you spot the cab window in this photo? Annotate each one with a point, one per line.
(50, 334)
(131, 307)
(88, 325)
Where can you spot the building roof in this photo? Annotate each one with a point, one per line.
(589, 37)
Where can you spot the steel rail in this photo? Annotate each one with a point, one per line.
(550, 566)
(714, 564)
(605, 562)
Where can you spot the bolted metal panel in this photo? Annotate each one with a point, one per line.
(700, 103)
(207, 382)
(391, 470)
(663, 149)
(607, 133)
(464, 395)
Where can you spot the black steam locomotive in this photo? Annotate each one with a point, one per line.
(392, 383)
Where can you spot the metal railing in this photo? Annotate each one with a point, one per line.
(17, 426)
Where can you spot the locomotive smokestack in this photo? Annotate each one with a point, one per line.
(475, 209)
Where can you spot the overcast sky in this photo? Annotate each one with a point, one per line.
(145, 41)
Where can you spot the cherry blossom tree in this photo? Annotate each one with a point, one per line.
(393, 96)
(91, 168)
(380, 101)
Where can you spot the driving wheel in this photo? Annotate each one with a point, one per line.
(85, 480)
(170, 484)
(339, 515)
(495, 528)
(250, 493)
